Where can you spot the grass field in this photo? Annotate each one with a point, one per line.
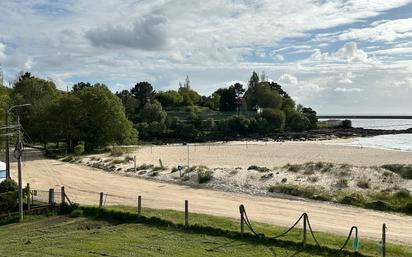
(105, 236)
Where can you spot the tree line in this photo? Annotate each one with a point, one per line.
(261, 108)
(91, 115)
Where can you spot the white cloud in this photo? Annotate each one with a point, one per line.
(352, 53)
(317, 55)
(2, 52)
(288, 79)
(342, 89)
(381, 31)
(279, 57)
(147, 33)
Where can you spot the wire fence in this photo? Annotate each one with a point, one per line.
(302, 227)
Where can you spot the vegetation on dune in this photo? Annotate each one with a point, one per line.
(403, 170)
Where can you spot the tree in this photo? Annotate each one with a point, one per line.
(143, 92)
(39, 93)
(80, 85)
(170, 98)
(267, 98)
(190, 97)
(275, 118)
(250, 95)
(213, 101)
(311, 116)
(65, 115)
(4, 103)
(298, 122)
(130, 104)
(152, 111)
(104, 121)
(288, 105)
(228, 100)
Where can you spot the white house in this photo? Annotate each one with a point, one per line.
(2, 171)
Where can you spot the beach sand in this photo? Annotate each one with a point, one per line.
(267, 154)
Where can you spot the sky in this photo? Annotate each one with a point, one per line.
(338, 57)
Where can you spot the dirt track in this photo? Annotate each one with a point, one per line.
(83, 184)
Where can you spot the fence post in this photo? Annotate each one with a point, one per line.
(28, 196)
(134, 163)
(139, 206)
(242, 218)
(51, 196)
(305, 216)
(384, 240)
(63, 196)
(101, 200)
(186, 213)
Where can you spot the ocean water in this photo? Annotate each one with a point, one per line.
(400, 142)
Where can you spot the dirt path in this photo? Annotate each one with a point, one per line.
(83, 184)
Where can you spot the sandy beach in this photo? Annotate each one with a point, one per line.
(268, 154)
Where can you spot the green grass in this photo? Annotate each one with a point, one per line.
(80, 236)
(113, 232)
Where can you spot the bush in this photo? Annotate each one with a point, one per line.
(8, 185)
(275, 118)
(204, 176)
(116, 151)
(79, 149)
(298, 122)
(346, 124)
(352, 199)
(8, 200)
(403, 193)
(293, 167)
(260, 169)
(342, 183)
(363, 184)
(405, 171)
(307, 192)
(379, 205)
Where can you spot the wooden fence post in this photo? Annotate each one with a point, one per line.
(63, 196)
(28, 196)
(242, 221)
(51, 196)
(139, 206)
(305, 216)
(384, 240)
(186, 213)
(101, 200)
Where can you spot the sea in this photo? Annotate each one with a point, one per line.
(399, 142)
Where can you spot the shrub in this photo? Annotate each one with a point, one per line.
(363, 184)
(342, 183)
(8, 200)
(403, 193)
(275, 118)
(8, 185)
(307, 192)
(379, 205)
(116, 151)
(284, 180)
(293, 167)
(352, 199)
(405, 171)
(144, 167)
(346, 124)
(257, 168)
(76, 213)
(79, 149)
(204, 176)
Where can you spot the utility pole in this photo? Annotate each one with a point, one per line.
(7, 147)
(18, 153)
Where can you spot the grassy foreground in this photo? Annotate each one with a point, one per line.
(110, 232)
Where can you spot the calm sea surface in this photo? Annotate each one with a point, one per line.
(401, 142)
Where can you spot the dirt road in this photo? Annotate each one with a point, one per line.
(83, 184)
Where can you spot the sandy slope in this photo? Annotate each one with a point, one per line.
(83, 184)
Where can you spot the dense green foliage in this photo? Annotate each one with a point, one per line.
(8, 195)
(89, 113)
(228, 112)
(92, 115)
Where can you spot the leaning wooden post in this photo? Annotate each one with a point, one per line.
(63, 196)
(384, 240)
(242, 219)
(186, 213)
(305, 216)
(139, 206)
(51, 196)
(101, 200)
(28, 196)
